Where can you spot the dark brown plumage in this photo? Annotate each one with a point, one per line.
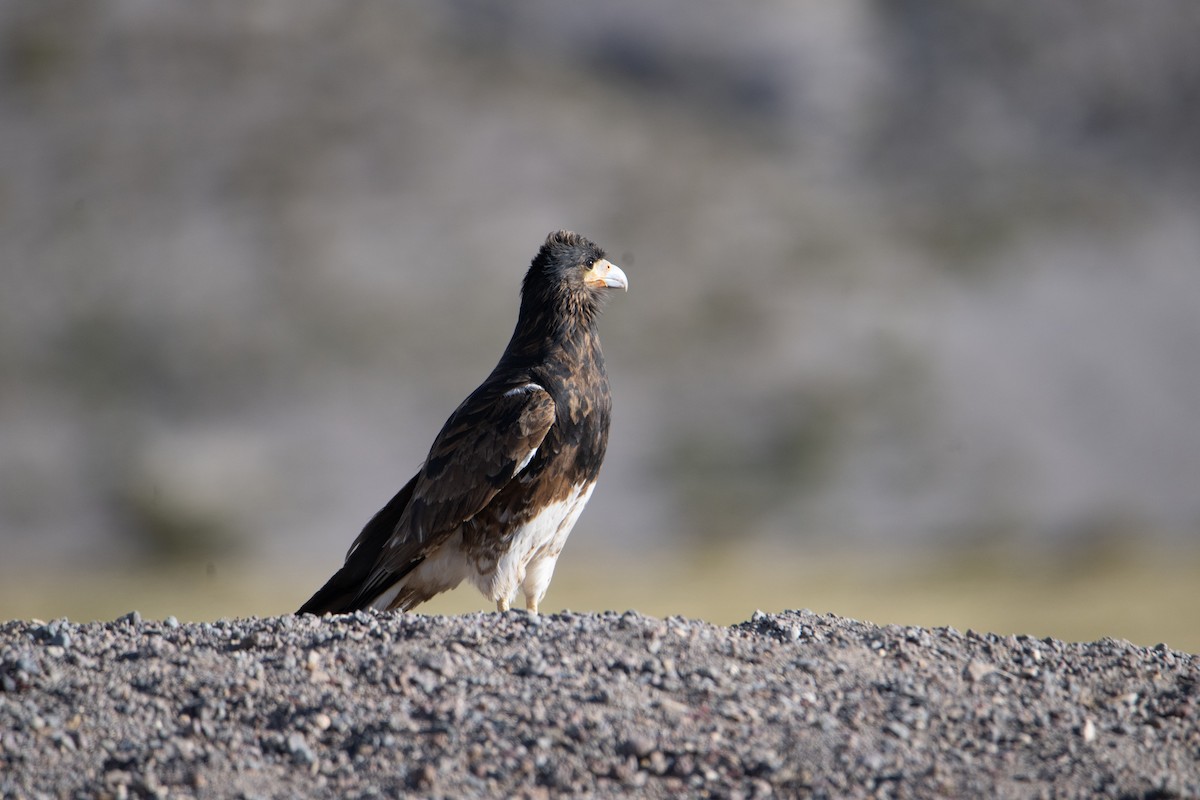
(513, 466)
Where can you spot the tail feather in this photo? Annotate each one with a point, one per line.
(348, 589)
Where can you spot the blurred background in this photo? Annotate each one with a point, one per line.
(913, 332)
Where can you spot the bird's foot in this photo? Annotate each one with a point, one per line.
(502, 605)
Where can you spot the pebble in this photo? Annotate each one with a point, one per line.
(301, 752)
(638, 746)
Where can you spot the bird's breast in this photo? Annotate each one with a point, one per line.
(501, 563)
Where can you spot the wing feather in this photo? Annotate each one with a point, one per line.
(484, 444)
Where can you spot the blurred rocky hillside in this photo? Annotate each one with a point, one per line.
(901, 272)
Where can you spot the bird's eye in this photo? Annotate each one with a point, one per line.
(591, 262)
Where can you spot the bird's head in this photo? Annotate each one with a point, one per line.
(571, 275)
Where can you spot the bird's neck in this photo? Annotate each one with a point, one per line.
(541, 333)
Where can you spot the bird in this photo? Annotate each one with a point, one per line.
(511, 469)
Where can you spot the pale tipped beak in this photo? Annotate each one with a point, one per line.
(608, 275)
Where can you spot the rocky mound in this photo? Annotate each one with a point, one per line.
(794, 704)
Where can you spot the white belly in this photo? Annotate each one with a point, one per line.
(529, 562)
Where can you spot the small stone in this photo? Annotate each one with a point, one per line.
(132, 618)
(423, 776)
(247, 642)
(301, 753)
(637, 745)
(977, 671)
(1088, 731)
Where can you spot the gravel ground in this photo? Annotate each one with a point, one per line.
(487, 705)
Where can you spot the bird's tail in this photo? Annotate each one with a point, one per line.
(351, 588)
(337, 596)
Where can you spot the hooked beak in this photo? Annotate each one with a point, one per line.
(607, 275)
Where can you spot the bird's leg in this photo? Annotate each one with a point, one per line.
(531, 603)
(502, 605)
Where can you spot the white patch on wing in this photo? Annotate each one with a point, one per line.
(529, 562)
(525, 462)
(525, 389)
(528, 387)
